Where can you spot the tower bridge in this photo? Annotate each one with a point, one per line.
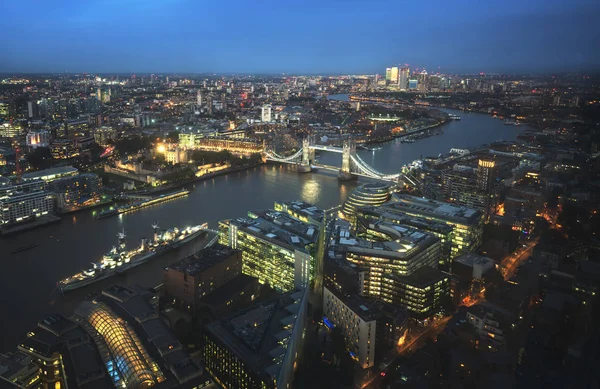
(352, 164)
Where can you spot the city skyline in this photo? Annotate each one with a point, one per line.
(179, 36)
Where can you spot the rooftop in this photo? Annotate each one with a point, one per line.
(403, 242)
(434, 208)
(50, 173)
(470, 259)
(203, 260)
(255, 335)
(421, 278)
(278, 227)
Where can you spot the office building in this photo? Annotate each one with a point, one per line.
(403, 78)
(389, 249)
(260, 346)
(469, 267)
(103, 135)
(77, 191)
(370, 215)
(37, 139)
(388, 74)
(8, 130)
(301, 210)
(373, 194)
(467, 223)
(422, 293)
(186, 282)
(460, 188)
(63, 149)
(369, 327)
(17, 370)
(394, 75)
(276, 248)
(25, 202)
(51, 174)
(413, 84)
(116, 340)
(266, 113)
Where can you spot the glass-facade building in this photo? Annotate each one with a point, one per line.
(369, 215)
(403, 252)
(422, 293)
(258, 348)
(374, 194)
(276, 248)
(466, 223)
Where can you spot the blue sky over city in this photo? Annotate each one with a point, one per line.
(327, 36)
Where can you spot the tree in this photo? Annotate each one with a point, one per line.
(173, 136)
(40, 158)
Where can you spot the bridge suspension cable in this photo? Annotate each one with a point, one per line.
(278, 158)
(369, 171)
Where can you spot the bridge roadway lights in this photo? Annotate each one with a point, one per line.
(345, 176)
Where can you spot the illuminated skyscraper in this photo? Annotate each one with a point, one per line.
(394, 74)
(403, 78)
(388, 74)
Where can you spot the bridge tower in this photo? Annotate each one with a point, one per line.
(308, 156)
(348, 150)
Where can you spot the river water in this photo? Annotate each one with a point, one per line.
(28, 278)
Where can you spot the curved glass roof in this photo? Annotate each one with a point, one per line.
(129, 364)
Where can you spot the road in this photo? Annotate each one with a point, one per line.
(511, 262)
(414, 343)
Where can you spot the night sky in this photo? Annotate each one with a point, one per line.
(303, 36)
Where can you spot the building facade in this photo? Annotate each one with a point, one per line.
(186, 282)
(276, 248)
(24, 202)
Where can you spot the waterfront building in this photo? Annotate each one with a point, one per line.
(239, 146)
(367, 325)
(373, 194)
(266, 113)
(186, 282)
(467, 223)
(389, 249)
(51, 174)
(260, 346)
(78, 191)
(25, 202)
(276, 248)
(423, 293)
(37, 139)
(116, 340)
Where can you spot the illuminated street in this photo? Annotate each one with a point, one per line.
(510, 263)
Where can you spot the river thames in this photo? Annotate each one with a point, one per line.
(28, 278)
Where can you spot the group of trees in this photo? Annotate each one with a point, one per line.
(133, 145)
(215, 157)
